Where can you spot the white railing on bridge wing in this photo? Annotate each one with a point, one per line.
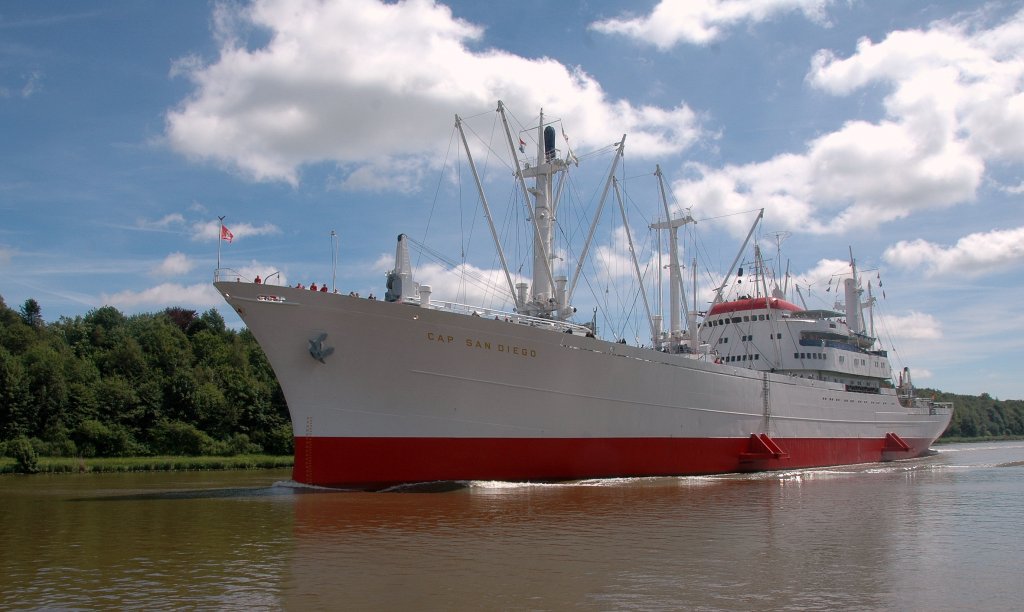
(232, 275)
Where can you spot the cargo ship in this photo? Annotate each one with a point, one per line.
(411, 388)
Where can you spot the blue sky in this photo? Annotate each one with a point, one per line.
(895, 128)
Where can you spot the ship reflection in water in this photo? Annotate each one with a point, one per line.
(936, 533)
(870, 537)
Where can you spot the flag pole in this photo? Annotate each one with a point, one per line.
(220, 238)
(334, 262)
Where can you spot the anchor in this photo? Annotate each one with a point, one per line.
(317, 349)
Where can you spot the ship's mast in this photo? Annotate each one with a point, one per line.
(871, 311)
(854, 314)
(547, 297)
(543, 212)
(677, 301)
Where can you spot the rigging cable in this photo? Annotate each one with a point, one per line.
(437, 190)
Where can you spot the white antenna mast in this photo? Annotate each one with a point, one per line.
(334, 261)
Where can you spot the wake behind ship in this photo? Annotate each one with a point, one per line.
(413, 389)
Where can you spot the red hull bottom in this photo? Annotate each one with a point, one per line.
(374, 463)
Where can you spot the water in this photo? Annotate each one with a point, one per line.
(941, 533)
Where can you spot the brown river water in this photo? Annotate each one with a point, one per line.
(941, 533)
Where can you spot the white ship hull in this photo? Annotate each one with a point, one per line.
(414, 394)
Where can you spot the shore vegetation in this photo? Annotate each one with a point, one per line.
(106, 385)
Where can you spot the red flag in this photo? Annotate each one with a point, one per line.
(225, 233)
(522, 146)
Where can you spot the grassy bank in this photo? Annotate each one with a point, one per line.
(961, 439)
(68, 465)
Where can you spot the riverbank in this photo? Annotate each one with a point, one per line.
(71, 465)
(971, 440)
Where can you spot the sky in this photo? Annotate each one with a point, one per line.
(892, 128)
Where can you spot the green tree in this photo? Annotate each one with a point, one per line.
(47, 387)
(16, 410)
(124, 358)
(178, 438)
(106, 384)
(102, 324)
(95, 439)
(181, 317)
(21, 449)
(32, 314)
(17, 337)
(165, 347)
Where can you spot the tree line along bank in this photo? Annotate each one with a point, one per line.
(109, 385)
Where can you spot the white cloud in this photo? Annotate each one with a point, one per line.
(164, 223)
(166, 294)
(701, 22)
(612, 261)
(401, 174)
(6, 254)
(33, 84)
(919, 374)
(973, 255)
(465, 284)
(951, 80)
(210, 230)
(269, 274)
(821, 286)
(912, 326)
(361, 83)
(174, 264)
(955, 103)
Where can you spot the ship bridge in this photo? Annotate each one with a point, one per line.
(775, 335)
